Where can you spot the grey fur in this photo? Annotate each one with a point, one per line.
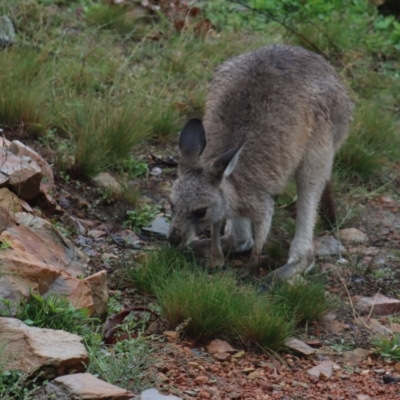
(273, 113)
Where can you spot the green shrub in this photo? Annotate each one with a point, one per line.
(54, 312)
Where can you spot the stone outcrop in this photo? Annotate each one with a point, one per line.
(22, 174)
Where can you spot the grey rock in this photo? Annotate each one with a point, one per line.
(153, 394)
(328, 246)
(7, 32)
(159, 226)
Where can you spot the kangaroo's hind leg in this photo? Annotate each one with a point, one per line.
(311, 177)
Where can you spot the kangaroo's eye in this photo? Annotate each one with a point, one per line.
(199, 213)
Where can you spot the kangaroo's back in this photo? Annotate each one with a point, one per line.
(280, 101)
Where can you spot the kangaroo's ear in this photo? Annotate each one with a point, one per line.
(192, 142)
(225, 164)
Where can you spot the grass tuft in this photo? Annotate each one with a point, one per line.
(303, 301)
(217, 305)
(104, 133)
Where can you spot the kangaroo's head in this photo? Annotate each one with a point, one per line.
(198, 200)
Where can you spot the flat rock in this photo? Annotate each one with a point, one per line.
(300, 347)
(159, 226)
(323, 370)
(220, 346)
(31, 349)
(378, 304)
(153, 394)
(352, 236)
(20, 173)
(356, 356)
(328, 246)
(19, 149)
(85, 386)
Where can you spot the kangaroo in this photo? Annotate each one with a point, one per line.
(272, 113)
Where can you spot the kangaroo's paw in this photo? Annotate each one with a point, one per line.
(291, 270)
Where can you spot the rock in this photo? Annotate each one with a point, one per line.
(362, 397)
(159, 226)
(323, 370)
(21, 173)
(328, 246)
(31, 349)
(201, 380)
(352, 236)
(174, 335)
(85, 386)
(7, 32)
(222, 356)
(240, 354)
(314, 343)
(99, 288)
(379, 304)
(156, 171)
(77, 291)
(47, 244)
(96, 233)
(254, 375)
(335, 326)
(356, 356)
(107, 182)
(10, 201)
(364, 251)
(153, 394)
(38, 257)
(219, 346)
(19, 149)
(374, 325)
(300, 347)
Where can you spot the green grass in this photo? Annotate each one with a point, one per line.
(374, 142)
(304, 301)
(126, 365)
(217, 305)
(54, 312)
(388, 348)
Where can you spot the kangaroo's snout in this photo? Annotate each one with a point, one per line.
(174, 238)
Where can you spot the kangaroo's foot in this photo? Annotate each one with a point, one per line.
(291, 270)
